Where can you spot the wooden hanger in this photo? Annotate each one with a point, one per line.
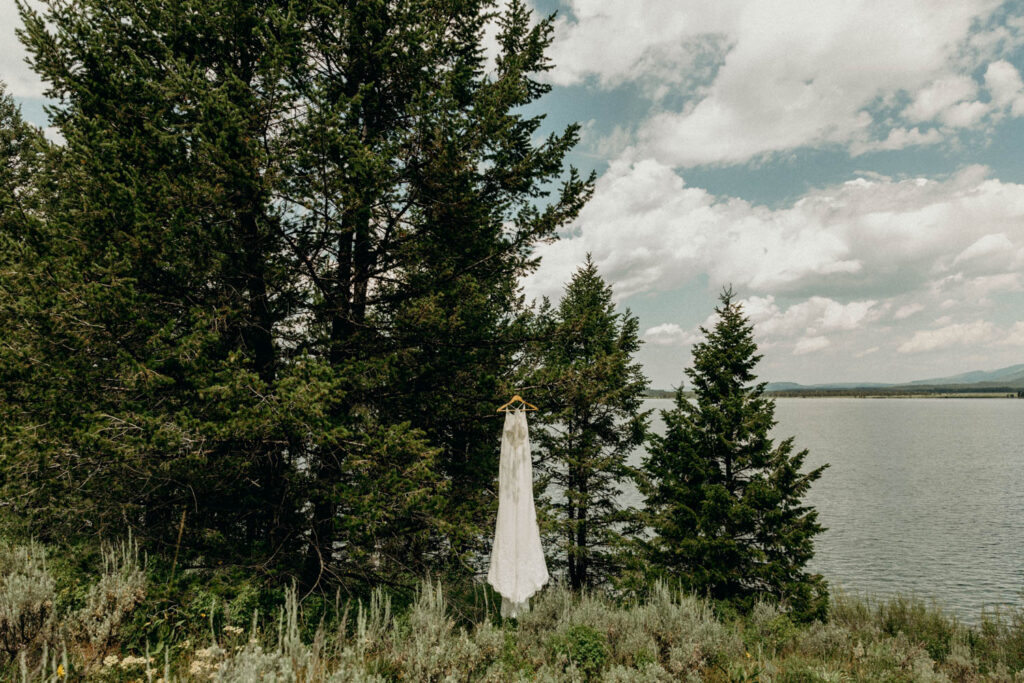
(517, 397)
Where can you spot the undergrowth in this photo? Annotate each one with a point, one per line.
(125, 625)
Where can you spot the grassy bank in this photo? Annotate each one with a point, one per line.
(124, 626)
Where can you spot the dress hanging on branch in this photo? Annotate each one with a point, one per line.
(518, 569)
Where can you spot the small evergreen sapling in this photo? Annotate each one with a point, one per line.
(724, 501)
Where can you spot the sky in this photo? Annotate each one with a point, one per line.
(852, 168)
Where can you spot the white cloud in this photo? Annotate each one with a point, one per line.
(987, 246)
(1005, 87)
(766, 77)
(959, 289)
(907, 310)
(604, 147)
(898, 138)
(810, 345)
(956, 334)
(21, 81)
(939, 96)
(866, 266)
(964, 114)
(851, 271)
(655, 40)
(817, 314)
(1014, 336)
(670, 334)
(951, 101)
(650, 232)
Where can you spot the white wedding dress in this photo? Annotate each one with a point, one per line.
(517, 568)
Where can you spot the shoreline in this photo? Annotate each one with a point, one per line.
(842, 393)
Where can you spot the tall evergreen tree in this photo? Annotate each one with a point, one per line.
(290, 237)
(723, 500)
(592, 421)
(163, 319)
(428, 188)
(24, 270)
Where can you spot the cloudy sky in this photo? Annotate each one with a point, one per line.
(853, 168)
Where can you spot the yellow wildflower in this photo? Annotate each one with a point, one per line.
(60, 671)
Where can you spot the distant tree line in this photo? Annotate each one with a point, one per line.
(894, 392)
(259, 304)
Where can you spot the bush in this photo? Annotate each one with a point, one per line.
(921, 623)
(582, 647)
(26, 597)
(689, 636)
(433, 649)
(663, 636)
(768, 628)
(121, 587)
(826, 641)
(998, 641)
(646, 673)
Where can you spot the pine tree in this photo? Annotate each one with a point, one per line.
(25, 268)
(592, 421)
(723, 501)
(435, 201)
(162, 321)
(284, 296)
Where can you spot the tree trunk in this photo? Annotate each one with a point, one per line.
(577, 560)
(348, 303)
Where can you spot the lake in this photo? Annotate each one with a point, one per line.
(923, 497)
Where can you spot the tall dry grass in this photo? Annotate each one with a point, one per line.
(666, 636)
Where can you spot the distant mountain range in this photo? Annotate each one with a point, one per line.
(1004, 380)
(1013, 373)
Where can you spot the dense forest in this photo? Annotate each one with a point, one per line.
(258, 307)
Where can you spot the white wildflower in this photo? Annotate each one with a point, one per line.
(130, 661)
(204, 665)
(209, 652)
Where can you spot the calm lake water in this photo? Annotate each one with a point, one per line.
(923, 497)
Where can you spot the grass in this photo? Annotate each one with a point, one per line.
(121, 628)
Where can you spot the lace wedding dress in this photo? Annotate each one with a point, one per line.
(518, 569)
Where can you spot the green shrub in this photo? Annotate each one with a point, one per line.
(121, 587)
(921, 623)
(26, 597)
(856, 614)
(827, 641)
(998, 641)
(802, 671)
(689, 636)
(512, 659)
(646, 673)
(433, 649)
(768, 629)
(583, 647)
